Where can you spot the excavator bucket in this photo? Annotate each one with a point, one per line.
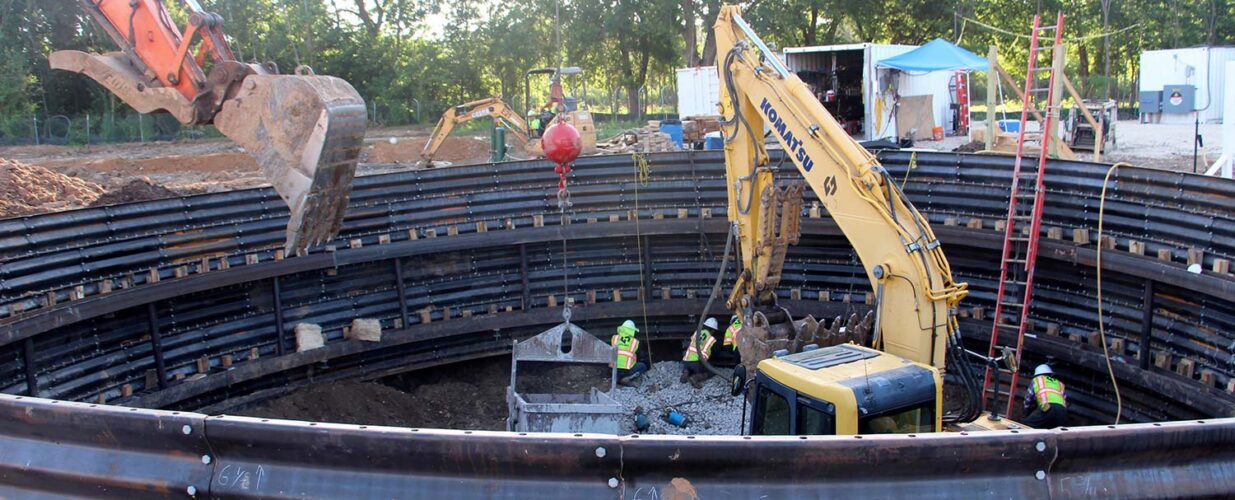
(306, 132)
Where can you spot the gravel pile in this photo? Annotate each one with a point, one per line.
(709, 411)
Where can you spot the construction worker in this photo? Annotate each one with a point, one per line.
(628, 365)
(700, 343)
(728, 355)
(1046, 399)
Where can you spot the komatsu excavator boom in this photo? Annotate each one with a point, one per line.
(304, 130)
(895, 372)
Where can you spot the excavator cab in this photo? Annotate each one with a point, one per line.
(844, 389)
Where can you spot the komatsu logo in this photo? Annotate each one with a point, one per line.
(794, 144)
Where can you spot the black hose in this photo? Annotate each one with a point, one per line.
(720, 275)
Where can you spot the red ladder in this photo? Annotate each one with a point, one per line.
(1024, 222)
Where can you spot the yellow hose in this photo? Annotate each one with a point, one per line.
(1101, 327)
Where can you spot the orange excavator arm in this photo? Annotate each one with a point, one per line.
(304, 130)
(492, 106)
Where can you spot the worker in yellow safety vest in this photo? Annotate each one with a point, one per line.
(699, 349)
(1046, 404)
(628, 365)
(727, 355)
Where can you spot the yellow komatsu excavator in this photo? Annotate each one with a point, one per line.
(804, 379)
(304, 130)
(493, 107)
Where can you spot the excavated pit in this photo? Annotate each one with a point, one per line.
(185, 304)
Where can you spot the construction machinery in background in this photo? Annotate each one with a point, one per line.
(571, 109)
(305, 130)
(493, 107)
(804, 378)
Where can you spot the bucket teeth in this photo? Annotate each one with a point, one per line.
(306, 133)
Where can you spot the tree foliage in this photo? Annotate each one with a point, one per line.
(411, 58)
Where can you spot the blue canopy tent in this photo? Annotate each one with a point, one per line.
(938, 55)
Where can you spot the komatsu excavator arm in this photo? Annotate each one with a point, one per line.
(304, 130)
(455, 115)
(917, 297)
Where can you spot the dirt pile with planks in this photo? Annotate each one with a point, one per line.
(406, 150)
(28, 189)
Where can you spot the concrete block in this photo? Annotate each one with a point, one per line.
(365, 330)
(308, 336)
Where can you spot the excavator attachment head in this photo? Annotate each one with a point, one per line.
(306, 132)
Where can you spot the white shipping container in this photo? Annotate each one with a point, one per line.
(880, 120)
(1201, 67)
(698, 91)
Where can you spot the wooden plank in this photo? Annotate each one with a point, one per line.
(1065, 152)
(915, 114)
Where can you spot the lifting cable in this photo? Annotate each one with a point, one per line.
(1101, 326)
(643, 174)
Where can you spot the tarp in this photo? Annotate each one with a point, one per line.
(938, 55)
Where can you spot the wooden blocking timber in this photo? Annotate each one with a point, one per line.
(78, 292)
(510, 223)
(979, 313)
(383, 239)
(870, 298)
(452, 230)
(815, 211)
(591, 220)
(467, 313)
(492, 308)
(1208, 377)
(1186, 367)
(552, 301)
(1052, 329)
(949, 221)
(308, 336)
(152, 276)
(412, 235)
(705, 213)
(591, 296)
(126, 390)
(105, 286)
(203, 364)
(1162, 360)
(1222, 266)
(1108, 242)
(426, 315)
(976, 223)
(1116, 346)
(180, 271)
(1054, 233)
(538, 220)
(226, 360)
(1080, 236)
(280, 254)
(254, 353)
(1196, 256)
(365, 330)
(1136, 248)
(825, 296)
(615, 218)
(1230, 386)
(666, 293)
(683, 213)
(1076, 337)
(795, 294)
(51, 298)
(482, 226)
(1165, 254)
(431, 232)
(617, 295)
(658, 215)
(690, 293)
(152, 380)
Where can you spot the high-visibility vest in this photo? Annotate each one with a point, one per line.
(1048, 391)
(692, 354)
(731, 334)
(625, 351)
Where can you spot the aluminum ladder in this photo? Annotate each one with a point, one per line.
(1023, 225)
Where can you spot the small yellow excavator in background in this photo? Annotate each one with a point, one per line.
(569, 108)
(305, 130)
(804, 378)
(492, 107)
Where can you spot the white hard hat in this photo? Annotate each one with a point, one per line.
(711, 323)
(1043, 369)
(629, 324)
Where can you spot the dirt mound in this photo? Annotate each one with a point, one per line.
(972, 147)
(407, 150)
(135, 190)
(27, 189)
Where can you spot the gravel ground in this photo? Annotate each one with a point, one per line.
(709, 411)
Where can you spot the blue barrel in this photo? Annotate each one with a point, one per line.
(713, 141)
(674, 129)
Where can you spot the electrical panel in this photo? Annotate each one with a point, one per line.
(1151, 101)
(1178, 99)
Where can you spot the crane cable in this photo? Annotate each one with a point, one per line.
(1101, 326)
(643, 174)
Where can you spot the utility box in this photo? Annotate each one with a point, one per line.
(1151, 101)
(1178, 99)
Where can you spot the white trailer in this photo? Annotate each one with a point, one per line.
(876, 88)
(1200, 68)
(698, 91)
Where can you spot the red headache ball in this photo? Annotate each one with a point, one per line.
(562, 143)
